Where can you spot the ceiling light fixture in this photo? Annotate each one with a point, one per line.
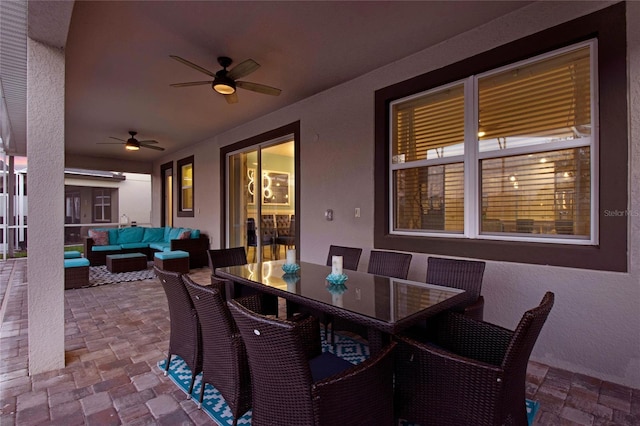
(129, 146)
(224, 85)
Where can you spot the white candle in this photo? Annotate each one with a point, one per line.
(336, 299)
(336, 265)
(291, 256)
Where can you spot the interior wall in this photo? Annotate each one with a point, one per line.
(592, 328)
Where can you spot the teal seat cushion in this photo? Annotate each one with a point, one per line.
(126, 255)
(76, 263)
(176, 254)
(195, 233)
(175, 233)
(114, 247)
(72, 254)
(153, 235)
(134, 245)
(130, 235)
(160, 246)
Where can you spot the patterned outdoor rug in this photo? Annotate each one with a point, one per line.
(214, 404)
(98, 275)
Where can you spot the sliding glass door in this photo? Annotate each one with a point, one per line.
(261, 199)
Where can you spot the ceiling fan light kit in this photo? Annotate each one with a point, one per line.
(133, 144)
(225, 81)
(224, 86)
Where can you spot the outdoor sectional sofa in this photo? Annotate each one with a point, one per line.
(105, 241)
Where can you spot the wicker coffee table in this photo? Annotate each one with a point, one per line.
(126, 262)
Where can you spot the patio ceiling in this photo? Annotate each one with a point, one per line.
(118, 68)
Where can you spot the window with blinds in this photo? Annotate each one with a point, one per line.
(522, 166)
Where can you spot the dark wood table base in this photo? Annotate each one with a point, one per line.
(126, 262)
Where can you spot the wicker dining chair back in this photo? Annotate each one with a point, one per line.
(389, 264)
(284, 389)
(220, 258)
(224, 357)
(184, 339)
(469, 372)
(463, 274)
(350, 256)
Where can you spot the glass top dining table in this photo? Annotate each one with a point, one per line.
(384, 305)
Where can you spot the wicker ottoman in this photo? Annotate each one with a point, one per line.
(76, 273)
(126, 262)
(176, 261)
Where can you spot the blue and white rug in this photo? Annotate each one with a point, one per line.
(214, 404)
(98, 275)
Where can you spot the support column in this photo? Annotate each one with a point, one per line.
(45, 238)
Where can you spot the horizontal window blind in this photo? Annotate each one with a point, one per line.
(430, 198)
(544, 193)
(431, 126)
(545, 101)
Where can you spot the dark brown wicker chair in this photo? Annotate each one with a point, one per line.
(224, 357)
(184, 340)
(289, 388)
(350, 256)
(220, 258)
(389, 264)
(468, 372)
(463, 274)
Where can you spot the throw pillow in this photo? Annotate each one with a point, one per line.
(184, 235)
(100, 238)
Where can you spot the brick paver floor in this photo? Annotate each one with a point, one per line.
(116, 334)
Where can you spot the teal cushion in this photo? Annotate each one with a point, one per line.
(113, 235)
(195, 233)
(153, 235)
(72, 254)
(167, 231)
(134, 245)
(126, 255)
(114, 247)
(175, 233)
(76, 263)
(160, 246)
(130, 235)
(176, 254)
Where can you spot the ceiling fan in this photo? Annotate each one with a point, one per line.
(226, 81)
(133, 144)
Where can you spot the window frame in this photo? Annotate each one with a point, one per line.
(608, 26)
(180, 164)
(472, 156)
(102, 193)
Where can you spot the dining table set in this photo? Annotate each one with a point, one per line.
(429, 350)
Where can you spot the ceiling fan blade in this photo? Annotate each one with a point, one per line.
(260, 88)
(118, 139)
(191, 83)
(243, 68)
(157, 148)
(192, 65)
(110, 143)
(148, 141)
(232, 98)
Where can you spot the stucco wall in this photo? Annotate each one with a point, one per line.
(593, 327)
(45, 132)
